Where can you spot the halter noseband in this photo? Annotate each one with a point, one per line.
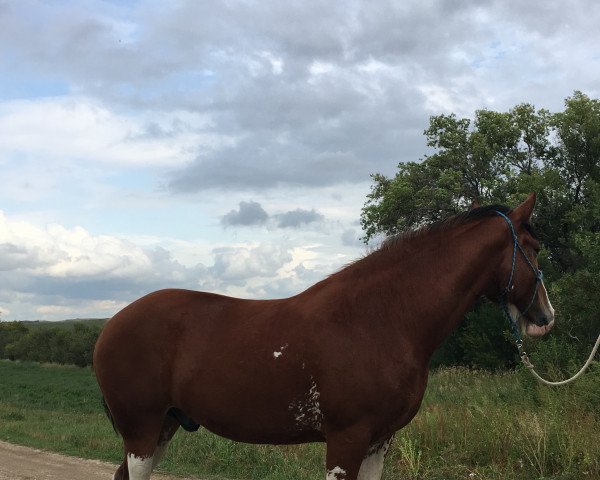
(504, 295)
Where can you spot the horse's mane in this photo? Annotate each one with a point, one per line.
(397, 239)
(445, 224)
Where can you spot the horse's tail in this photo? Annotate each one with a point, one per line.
(109, 415)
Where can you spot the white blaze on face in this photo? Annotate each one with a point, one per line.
(529, 328)
(139, 468)
(335, 473)
(547, 305)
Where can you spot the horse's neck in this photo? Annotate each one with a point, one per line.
(433, 281)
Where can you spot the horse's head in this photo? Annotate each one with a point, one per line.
(519, 277)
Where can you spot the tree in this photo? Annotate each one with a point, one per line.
(500, 157)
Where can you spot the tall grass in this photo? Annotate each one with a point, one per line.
(472, 425)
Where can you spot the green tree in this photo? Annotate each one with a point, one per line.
(55, 344)
(10, 332)
(500, 157)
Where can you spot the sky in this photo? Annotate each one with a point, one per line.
(227, 146)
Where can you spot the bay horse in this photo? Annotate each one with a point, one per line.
(344, 362)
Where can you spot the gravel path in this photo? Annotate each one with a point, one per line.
(23, 463)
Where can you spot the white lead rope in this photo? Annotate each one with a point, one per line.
(529, 365)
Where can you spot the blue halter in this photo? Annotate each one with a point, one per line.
(504, 295)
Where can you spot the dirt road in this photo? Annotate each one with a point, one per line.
(22, 463)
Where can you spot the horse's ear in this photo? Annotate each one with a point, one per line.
(475, 204)
(523, 212)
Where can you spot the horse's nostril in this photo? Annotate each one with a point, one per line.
(544, 320)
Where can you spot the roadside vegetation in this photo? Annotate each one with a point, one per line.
(69, 342)
(473, 425)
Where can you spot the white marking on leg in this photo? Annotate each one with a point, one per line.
(371, 467)
(139, 468)
(335, 473)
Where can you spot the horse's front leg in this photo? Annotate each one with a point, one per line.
(346, 450)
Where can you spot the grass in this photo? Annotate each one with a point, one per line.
(472, 425)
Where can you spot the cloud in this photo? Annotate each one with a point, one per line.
(55, 271)
(72, 128)
(58, 264)
(297, 218)
(351, 238)
(249, 213)
(237, 264)
(310, 94)
(252, 214)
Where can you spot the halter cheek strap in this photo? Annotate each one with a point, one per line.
(504, 295)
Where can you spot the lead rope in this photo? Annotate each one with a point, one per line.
(530, 367)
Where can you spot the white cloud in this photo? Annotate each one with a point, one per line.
(56, 251)
(51, 271)
(237, 264)
(82, 310)
(81, 130)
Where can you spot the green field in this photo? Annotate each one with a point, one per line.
(472, 425)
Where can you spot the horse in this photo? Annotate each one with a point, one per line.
(344, 362)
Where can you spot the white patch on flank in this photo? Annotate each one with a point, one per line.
(279, 353)
(335, 473)
(307, 411)
(139, 468)
(371, 467)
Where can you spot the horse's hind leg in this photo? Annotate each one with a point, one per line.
(143, 454)
(122, 473)
(371, 467)
(170, 426)
(141, 433)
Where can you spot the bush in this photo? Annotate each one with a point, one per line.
(51, 344)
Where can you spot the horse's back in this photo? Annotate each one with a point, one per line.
(160, 323)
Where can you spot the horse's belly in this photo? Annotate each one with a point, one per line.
(264, 435)
(250, 422)
(278, 406)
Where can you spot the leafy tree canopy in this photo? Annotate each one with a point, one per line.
(499, 157)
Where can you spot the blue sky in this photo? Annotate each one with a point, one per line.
(227, 146)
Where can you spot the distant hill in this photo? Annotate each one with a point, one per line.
(67, 324)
